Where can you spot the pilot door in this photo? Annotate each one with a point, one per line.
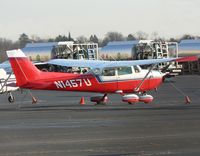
(124, 77)
(109, 77)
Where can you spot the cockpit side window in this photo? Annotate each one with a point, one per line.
(109, 72)
(124, 70)
(137, 70)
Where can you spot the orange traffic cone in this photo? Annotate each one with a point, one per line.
(187, 100)
(82, 101)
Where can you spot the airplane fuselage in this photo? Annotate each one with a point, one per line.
(90, 83)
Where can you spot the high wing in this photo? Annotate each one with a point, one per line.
(78, 63)
(101, 64)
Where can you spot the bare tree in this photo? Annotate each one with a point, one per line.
(131, 37)
(154, 36)
(141, 35)
(61, 38)
(81, 39)
(112, 36)
(94, 38)
(187, 36)
(5, 45)
(23, 40)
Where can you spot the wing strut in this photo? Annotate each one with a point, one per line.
(140, 84)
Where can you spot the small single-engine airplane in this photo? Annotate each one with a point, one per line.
(7, 84)
(122, 77)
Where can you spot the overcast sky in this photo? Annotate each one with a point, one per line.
(49, 18)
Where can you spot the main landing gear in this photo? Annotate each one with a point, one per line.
(129, 98)
(134, 98)
(100, 99)
(142, 97)
(11, 98)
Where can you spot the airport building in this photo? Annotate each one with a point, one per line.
(190, 47)
(128, 49)
(138, 50)
(117, 50)
(149, 49)
(41, 52)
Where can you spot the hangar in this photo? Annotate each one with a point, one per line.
(148, 49)
(138, 49)
(187, 48)
(67, 50)
(117, 50)
(120, 50)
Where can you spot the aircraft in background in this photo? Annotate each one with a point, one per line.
(7, 84)
(121, 77)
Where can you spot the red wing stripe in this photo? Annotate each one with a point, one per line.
(187, 59)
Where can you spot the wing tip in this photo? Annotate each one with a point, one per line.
(188, 59)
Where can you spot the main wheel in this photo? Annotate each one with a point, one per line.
(101, 103)
(11, 99)
(131, 103)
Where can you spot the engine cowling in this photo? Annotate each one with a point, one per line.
(130, 98)
(146, 98)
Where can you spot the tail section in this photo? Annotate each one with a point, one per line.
(23, 68)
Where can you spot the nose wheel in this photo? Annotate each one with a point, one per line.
(11, 98)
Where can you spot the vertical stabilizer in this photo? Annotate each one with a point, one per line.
(23, 68)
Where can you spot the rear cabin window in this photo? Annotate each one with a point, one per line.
(109, 72)
(124, 70)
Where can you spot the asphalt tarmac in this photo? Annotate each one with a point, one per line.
(59, 126)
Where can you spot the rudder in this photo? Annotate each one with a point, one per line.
(23, 68)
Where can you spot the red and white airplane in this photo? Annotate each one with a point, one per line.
(121, 77)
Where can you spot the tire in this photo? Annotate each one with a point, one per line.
(11, 99)
(101, 103)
